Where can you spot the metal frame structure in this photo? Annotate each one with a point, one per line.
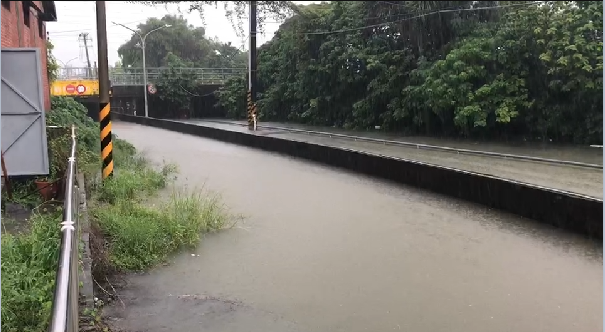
(135, 77)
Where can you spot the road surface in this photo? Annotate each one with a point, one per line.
(579, 153)
(322, 250)
(580, 180)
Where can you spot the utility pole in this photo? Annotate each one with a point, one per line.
(86, 39)
(252, 69)
(104, 107)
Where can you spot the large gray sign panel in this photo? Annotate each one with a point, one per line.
(23, 123)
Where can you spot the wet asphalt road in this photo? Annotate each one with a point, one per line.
(580, 180)
(325, 250)
(579, 153)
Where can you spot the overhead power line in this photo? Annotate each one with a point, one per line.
(419, 16)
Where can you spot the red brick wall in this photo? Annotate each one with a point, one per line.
(30, 36)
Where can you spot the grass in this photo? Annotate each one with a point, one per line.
(127, 234)
(29, 263)
(140, 235)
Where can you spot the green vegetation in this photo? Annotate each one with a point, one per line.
(181, 48)
(189, 44)
(140, 234)
(29, 263)
(52, 66)
(517, 70)
(237, 11)
(128, 233)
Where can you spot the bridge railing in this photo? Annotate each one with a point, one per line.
(134, 76)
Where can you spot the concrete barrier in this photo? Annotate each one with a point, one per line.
(574, 212)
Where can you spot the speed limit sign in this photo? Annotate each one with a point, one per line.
(151, 88)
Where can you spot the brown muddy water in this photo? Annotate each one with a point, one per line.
(325, 250)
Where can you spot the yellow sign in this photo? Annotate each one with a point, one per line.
(75, 88)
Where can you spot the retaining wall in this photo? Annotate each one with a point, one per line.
(574, 212)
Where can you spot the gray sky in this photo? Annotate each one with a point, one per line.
(79, 16)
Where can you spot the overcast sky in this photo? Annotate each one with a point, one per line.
(79, 16)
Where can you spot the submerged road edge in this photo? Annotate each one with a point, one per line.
(574, 212)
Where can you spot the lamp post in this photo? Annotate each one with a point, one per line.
(143, 39)
(68, 61)
(67, 71)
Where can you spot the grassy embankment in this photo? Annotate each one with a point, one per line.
(127, 234)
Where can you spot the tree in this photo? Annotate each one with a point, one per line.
(176, 86)
(180, 39)
(52, 66)
(489, 69)
(236, 11)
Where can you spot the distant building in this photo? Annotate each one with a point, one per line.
(24, 26)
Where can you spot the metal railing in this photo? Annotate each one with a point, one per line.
(65, 309)
(422, 146)
(134, 76)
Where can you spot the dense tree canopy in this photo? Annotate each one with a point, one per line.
(181, 40)
(515, 69)
(238, 11)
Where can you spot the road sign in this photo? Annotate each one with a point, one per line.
(72, 88)
(80, 89)
(151, 88)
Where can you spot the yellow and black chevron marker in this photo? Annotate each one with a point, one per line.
(251, 111)
(106, 145)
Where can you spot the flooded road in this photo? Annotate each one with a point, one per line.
(325, 250)
(575, 179)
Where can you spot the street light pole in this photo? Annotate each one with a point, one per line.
(68, 61)
(145, 74)
(67, 71)
(143, 39)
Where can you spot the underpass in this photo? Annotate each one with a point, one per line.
(325, 250)
(127, 86)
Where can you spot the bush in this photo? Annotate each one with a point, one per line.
(65, 113)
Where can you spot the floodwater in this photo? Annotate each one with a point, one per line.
(325, 250)
(582, 180)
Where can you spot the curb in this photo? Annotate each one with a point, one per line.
(86, 289)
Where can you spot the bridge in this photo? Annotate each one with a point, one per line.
(83, 82)
(325, 250)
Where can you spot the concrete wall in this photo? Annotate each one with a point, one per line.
(573, 212)
(15, 33)
(202, 104)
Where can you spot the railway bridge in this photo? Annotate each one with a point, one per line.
(127, 86)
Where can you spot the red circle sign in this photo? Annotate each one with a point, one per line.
(80, 89)
(70, 89)
(151, 88)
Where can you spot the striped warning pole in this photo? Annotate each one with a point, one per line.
(106, 144)
(104, 113)
(251, 112)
